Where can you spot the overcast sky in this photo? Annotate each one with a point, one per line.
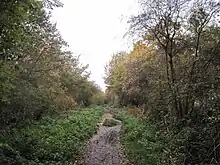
(94, 29)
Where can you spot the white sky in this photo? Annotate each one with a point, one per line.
(94, 29)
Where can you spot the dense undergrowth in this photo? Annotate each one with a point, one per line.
(149, 143)
(172, 75)
(51, 140)
(141, 140)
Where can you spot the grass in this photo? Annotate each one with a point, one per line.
(56, 141)
(141, 140)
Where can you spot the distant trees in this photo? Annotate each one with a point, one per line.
(37, 72)
(173, 71)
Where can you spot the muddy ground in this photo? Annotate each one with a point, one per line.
(104, 148)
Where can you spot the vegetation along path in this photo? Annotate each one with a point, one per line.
(104, 148)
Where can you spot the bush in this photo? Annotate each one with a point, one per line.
(51, 140)
(141, 140)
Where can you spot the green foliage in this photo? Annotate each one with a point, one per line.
(147, 143)
(38, 73)
(99, 98)
(141, 140)
(56, 140)
(40, 77)
(6, 86)
(172, 75)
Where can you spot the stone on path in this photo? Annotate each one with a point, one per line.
(104, 148)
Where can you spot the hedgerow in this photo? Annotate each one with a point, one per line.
(50, 141)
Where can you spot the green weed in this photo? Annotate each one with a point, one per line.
(50, 141)
(141, 140)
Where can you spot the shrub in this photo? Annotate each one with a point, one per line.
(141, 140)
(51, 140)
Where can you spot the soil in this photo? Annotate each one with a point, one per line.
(104, 148)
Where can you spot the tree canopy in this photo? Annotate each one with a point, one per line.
(38, 72)
(172, 73)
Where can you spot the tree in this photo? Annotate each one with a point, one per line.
(39, 75)
(167, 23)
(172, 74)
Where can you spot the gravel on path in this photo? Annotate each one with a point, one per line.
(104, 148)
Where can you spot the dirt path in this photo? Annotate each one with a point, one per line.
(104, 147)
